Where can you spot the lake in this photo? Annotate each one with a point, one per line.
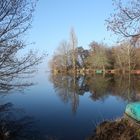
(65, 107)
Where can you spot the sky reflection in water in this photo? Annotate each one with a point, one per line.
(66, 108)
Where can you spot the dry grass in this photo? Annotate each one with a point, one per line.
(121, 129)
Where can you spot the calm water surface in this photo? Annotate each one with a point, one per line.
(66, 107)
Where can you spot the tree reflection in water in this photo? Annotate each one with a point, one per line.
(19, 78)
(69, 87)
(15, 127)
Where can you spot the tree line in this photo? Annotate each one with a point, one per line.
(69, 57)
(123, 56)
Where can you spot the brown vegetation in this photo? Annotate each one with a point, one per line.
(119, 130)
(122, 58)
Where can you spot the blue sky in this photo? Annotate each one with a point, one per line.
(53, 20)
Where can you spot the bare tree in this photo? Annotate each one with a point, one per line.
(55, 62)
(63, 50)
(125, 57)
(73, 46)
(15, 20)
(126, 19)
(66, 54)
(60, 60)
(98, 57)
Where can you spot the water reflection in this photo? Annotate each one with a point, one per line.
(69, 87)
(14, 125)
(8, 87)
(14, 81)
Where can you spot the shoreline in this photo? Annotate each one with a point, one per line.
(120, 129)
(94, 71)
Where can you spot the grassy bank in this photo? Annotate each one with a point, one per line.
(121, 129)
